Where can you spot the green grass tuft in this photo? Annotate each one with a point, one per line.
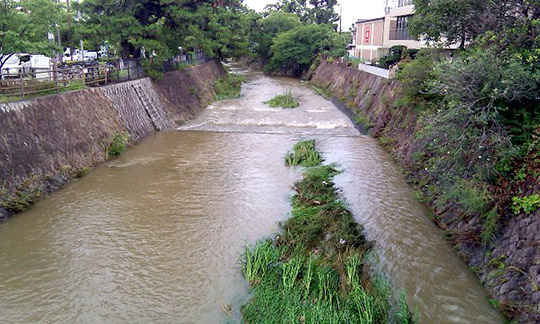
(285, 100)
(304, 155)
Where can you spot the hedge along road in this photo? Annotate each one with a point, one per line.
(155, 235)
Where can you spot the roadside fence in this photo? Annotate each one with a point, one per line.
(26, 83)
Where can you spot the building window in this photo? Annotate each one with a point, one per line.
(403, 22)
(401, 32)
(403, 3)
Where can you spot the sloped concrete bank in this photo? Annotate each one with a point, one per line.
(48, 141)
(509, 267)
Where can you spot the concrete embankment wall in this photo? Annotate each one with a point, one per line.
(509, 266)
(45, 142)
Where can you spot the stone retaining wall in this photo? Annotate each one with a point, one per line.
(46, 142)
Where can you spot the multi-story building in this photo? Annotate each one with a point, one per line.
(397, 26)
(369, 38)
(375, 36)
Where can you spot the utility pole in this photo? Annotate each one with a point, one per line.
(69, 29)
(59, 56)
(78, 18)
(68, 17)
(340, 17)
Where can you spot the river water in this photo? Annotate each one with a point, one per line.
(155, 235)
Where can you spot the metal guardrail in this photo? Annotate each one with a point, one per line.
(36, 82)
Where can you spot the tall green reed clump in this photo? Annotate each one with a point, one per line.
(304, 154)
(313, 271)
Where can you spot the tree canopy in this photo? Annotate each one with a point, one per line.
(216, 27)
(25, 25)
(463, 21)
(295, 50)
(268, 28)
(308, 11)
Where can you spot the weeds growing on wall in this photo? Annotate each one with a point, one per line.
(285, 100)
(323, 91)
(117, 145)
(19, 200)
(313, 272)
(228, 87)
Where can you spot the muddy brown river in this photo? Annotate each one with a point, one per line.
(155, 235)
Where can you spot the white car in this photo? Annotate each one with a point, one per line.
(37, 66)
(90, 55)
(79, 55)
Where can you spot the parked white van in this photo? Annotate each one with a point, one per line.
(36, 66)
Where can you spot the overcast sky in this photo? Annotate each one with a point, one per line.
(352, 9)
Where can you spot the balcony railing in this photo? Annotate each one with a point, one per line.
(400, 34)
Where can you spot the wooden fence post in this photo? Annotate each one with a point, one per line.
(83, 76)
(21, 79)
(55, 74)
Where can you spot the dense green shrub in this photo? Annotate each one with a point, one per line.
(117, 145)
(394, 56)
(411, 52)
(464, 139)
(415, 75)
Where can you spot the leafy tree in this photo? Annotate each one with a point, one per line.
(293, 51)
(297, 7)
(450, 21)
(461, 21)
(513, 27)
(132, 24)
(220, 31)
(323, 11)
(24, 27)
(309, 11)
(268, 28)
(217, 27)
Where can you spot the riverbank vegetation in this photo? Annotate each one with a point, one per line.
(314, 271)
(285, 100)
(475, 155)
(479, 111)
(229, 86)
